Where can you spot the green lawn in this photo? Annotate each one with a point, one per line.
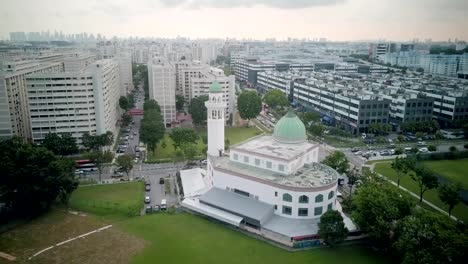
(460, 211)
(453, 170)
(234, 134)
(109, 199)
(184, 238)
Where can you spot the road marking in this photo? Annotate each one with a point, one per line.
(69, 240)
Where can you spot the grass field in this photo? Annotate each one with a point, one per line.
(109, 199)
(109, 246)
(184, 238)
(460, 210)
(453, 170)
(234, 134)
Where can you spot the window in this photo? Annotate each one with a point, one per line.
(303, 212)
(276, 207)
(330, 206)
(246, 159)
(287, 197)
(257, 162)
(268, 164)
(319, 198)
(303, 199)
(236, 156)
(287, 210)
(276, 194)
(281, 167)
(318, 210)
(331, 194)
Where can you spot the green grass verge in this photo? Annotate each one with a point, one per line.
(234, 134)
(120, 199)
(184, 238)
(453, 170)
(460, 211)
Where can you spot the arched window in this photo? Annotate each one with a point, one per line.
(331, 194)
(303, 199)
(319, 198)
(287, 197)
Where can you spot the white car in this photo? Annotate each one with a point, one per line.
(204, 162)
(423, 150)
(147, 199)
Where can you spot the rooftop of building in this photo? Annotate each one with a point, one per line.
(312, 175)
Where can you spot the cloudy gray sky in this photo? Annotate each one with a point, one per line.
(334, 19)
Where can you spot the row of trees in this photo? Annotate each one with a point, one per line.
(430, 127)
(426, 179)
(33, 177)
(395, 225)
(152, 126)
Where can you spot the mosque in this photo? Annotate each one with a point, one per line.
(271, 185)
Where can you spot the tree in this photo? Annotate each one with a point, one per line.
(163, 144)
(97, 142)
(182, 136)
(419, 135)
(353, 177)
(427, 237)
(63, 144)
(125, 163)
(227, 144)
(375, 128)
(99, 158)
(275, 98)
(400, 166)
(123, 103)
(332, 228)
(449, 194)
(178, 157)
(126, 119)
(317, 129)
(378, 206)
(400, 138)
(190, 151)
(198, 110)
(398, 151)
(151, 105)
(308, 117)
(431, 148)
(180, 102)
(425, 179)
(338, 161)
(249, 105)
(33, 177)
(453, 149)
(152, 128)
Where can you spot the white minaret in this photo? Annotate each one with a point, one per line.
(215, 110)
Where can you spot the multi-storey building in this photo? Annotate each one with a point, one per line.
(409, 107)
(14, 108)
(162, 87)
(184, 71)
(200, 86)
(440, 64)
(126, 78)
(376, 50)
(75, 102)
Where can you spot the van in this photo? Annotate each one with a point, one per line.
(163, 204)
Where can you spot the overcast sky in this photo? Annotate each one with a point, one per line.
(259, 19)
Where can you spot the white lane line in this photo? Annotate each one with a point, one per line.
(69, 240)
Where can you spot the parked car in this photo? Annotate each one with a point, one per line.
(422, 143)
(148, 209)
(135, 133)
(147, 199)
(423, 150)
(161, 180)
(156, 208)
(147, 187)
(163, 205)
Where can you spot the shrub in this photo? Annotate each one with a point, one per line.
(432, 148)
(453, 149)
(465, 146)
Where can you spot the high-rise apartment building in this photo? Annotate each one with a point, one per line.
(126, 78)
(14, 108)
(75, 101)
(162, 87)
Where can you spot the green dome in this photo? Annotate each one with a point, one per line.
(290, 129)
(215, 87)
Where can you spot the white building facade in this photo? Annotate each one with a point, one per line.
(75, 102)
(162, 87)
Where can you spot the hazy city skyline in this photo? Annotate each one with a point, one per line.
(258, 19)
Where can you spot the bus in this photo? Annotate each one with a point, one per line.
(85, 165)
